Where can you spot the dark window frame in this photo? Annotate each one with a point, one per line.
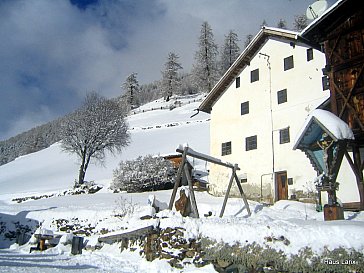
(237, 82)
(288, 63)
(284, 136)
(226, 148)
(325, 82)
(244, 108)
(309, 53)
(282, 96)
(251, 143)
(254, 75)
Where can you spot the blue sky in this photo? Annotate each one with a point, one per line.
(53, 52)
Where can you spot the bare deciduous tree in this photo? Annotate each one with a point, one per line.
(300, 22)
(97, 126)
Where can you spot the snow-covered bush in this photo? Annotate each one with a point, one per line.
(256, 258)
(124, 207)
(147, 173)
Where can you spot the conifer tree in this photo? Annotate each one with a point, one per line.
(282, 24)
(170, 78)
(205, 69)
(131, 89)
(248, 39)
(230, 51)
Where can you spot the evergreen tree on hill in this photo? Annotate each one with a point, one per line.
(170, 78)
(205, 69)
(230, 51)
(131, 89)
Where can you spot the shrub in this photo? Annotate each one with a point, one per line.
(147, 173)
(255, 258)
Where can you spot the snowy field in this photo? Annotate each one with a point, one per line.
(152, 132)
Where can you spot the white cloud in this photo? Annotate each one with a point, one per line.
(52, 53)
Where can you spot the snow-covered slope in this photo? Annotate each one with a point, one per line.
(152, 132)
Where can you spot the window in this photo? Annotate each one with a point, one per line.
(309, 54)
(284, 136)
(325, 83)
(254, 75)
(282, 96)
(244, 108)
(251, 143)
(226, 148)
(237, 82)
(288, 63)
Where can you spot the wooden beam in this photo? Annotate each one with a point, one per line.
(352, 165)
(178, 178)
(349, 106)
(228, 191)
(243, 195)
(210, 159)
(127, 235)
(346, 100)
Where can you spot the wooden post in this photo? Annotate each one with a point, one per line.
(42, 245)
(228, 191)
(77, 245)
(192, 193)
(178, 178)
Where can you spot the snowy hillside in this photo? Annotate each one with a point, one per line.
(287, 226)
(152, 132)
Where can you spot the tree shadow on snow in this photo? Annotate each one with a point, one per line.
(64, 267)
(41, 261)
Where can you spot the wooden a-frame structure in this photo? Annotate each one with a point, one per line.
(184, 168)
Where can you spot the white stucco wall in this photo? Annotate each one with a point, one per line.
(304, 94)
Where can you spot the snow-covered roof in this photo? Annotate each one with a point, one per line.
(328, 122)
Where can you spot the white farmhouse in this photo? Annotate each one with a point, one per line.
(258, 107)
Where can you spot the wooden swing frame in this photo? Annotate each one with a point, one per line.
(187, 151)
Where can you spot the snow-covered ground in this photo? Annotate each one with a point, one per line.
(152, 132)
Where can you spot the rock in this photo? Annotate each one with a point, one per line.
(183, 204)
(176, 263)
(166, 255)
(286, 242)
(208, 214)
(190, 253)
(223, 263)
